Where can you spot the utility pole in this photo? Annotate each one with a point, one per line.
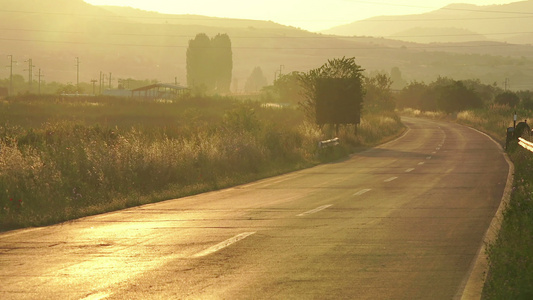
(40, 75)
(101, 82)
(11, 74)
(280, 68)
(94, 81)
(78, 74)
(30, 73)
(506, 83)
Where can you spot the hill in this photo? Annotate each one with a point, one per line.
(131, 43)
(503, 23)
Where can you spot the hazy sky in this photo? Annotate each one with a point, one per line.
(307, 14)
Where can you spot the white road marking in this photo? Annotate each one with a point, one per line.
(438, 148)
(223, 244)
(314, 210)
(390, 179)
(421, 163)
(362, 192)
(428, 158)
(409, 170)
(98, 296)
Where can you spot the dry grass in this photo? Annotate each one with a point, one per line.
(62, 169)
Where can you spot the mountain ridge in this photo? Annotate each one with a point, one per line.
(503, 22)
(142, 45)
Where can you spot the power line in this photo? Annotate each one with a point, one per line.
(112, 15)
(268, 48)
(316, 36)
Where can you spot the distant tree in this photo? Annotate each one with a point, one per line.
(526, 99)
(69, 89)
(507, 98)
(527, 103)
(287, 88)
(398, 82)
(378, 92)
(19, 84)
(453, 96)
(256, 81)
(199, 62)
(415, 95)
(209, 63)
(222, 62)
(487, 92)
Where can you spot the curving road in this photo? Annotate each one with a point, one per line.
(401, 221)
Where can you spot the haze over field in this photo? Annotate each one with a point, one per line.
(312, 15)
(133, 43)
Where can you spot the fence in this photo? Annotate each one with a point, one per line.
(328, 143)
(526, 144)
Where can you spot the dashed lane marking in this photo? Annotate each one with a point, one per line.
(361, 192)
(223, 244)
(390, 179)
(409, 170)
(312, 211)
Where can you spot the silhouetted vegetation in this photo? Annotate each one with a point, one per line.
(209, 63)
(67, 157)
(444, 94)
(256, 81)
(333, 93)
(285, 89)
(507, 98)
(378, 93)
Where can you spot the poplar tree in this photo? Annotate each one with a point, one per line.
(210, 63)
(222, 62)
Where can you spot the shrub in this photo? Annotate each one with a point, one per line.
(507, 98)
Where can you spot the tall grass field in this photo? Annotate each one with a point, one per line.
(63, 158)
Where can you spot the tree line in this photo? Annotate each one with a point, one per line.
(443, 94)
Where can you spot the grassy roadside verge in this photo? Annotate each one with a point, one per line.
(61, 159)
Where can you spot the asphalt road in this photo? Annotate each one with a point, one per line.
(402, 221)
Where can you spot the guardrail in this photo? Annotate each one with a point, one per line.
(526, 144)
(328, 143)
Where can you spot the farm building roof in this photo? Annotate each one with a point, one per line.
(159, 85)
